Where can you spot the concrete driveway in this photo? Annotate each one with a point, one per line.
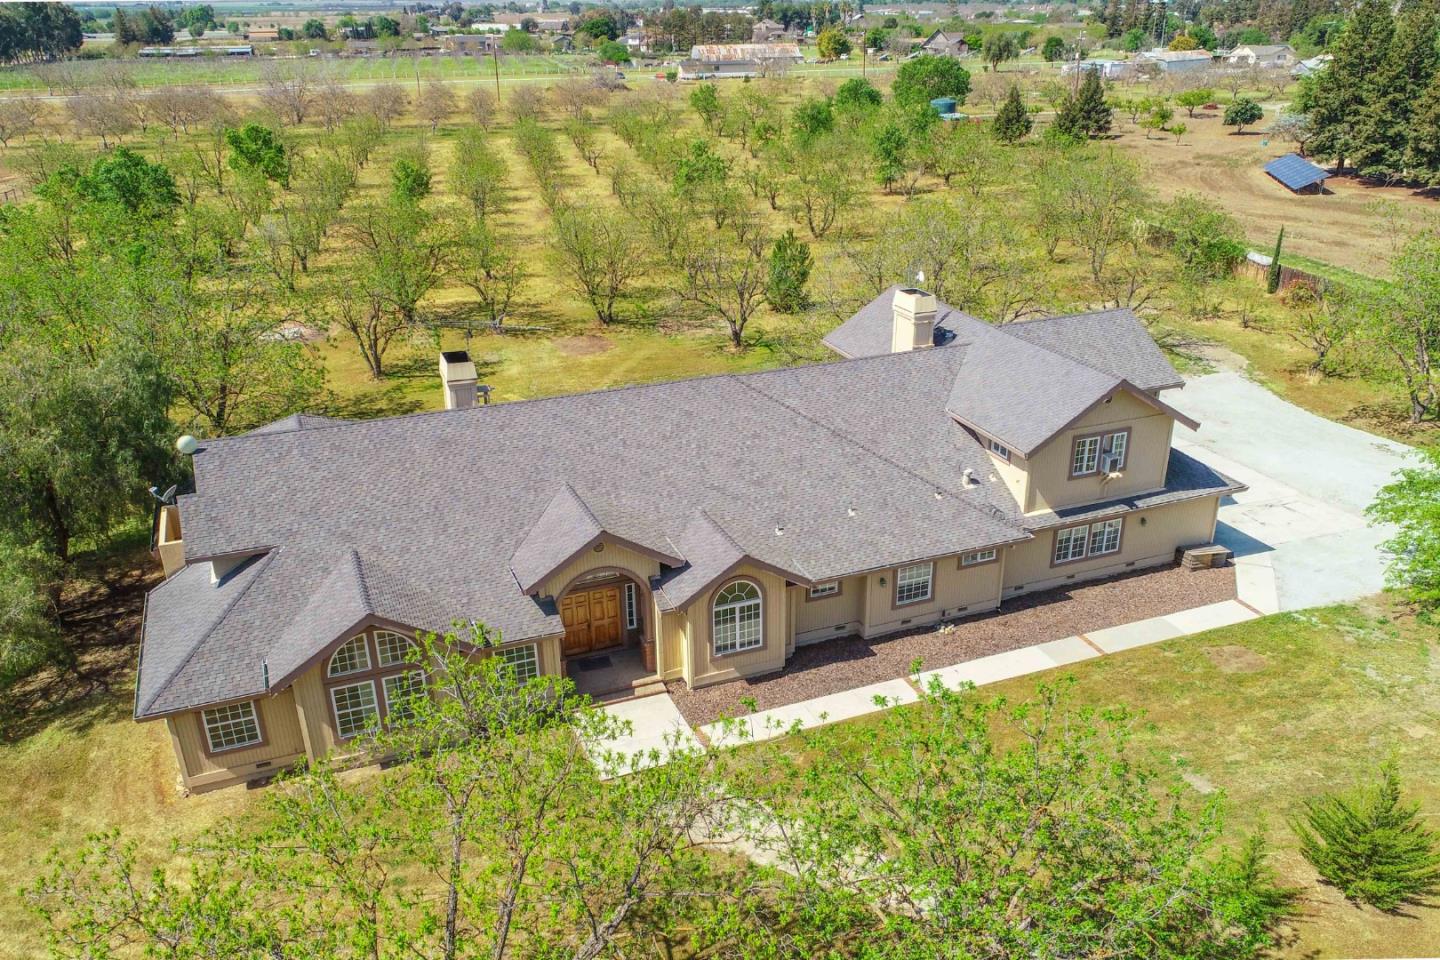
(1299, 533)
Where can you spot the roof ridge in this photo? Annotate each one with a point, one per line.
(584, 505)
(882, 457)
(209, 631)
(360, 579)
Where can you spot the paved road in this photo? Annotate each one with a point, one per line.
(1310, 481)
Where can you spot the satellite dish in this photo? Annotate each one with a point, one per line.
(187, 445)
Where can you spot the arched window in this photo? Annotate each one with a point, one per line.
(391, 648)
(737, 623)
(352, 657)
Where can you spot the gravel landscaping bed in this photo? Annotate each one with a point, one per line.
(835, 665)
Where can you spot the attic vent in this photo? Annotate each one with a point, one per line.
(969, 477)
(779, 531)
(849, 511)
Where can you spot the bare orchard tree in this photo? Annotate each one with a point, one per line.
(725, 272)
(576, 98)
(289, 90)
(582, 134)
(334, 103)
(490, 264)
(18, 116)
(480, 105)
(1294, 127)
(105, 115)
(386, 102)
(366, 318)
(527, 103)
(58, 76)
(179, 108)
(435, 103)
(599, 253)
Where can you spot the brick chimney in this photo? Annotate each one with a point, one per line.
(457, 373)
(913, 327)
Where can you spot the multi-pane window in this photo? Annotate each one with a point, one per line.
(1076, 543)
(233, 725)
(977, 556)
(391, 648)
(523, 660)
(1086, 459)
(1000, 450)
(1105, 536)
(400, 692)
(1070, 544)
(737, 619)
(352, 657)
(825, 590)
(914, 583)
(355, 709)
(632, 606)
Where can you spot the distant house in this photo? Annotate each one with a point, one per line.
(636, 40)
(1176, 61)
(717, 60)
(262, 36)
(942, 44)
(474, 43)
(767, 31)
(1311, 66)
(1108, 69)
(1272, 56)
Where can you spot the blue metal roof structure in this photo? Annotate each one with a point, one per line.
(1295, 172)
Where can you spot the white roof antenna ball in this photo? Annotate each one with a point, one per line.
(187, 445)
(919, 278)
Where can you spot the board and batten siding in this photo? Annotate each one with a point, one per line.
(1142, 544)
(704, 667)
(279, 725)
(611, 555)
(1050, 485)
(956, 592)
(674, 640)
(826, 617)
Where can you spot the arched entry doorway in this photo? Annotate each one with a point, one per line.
(608, 633)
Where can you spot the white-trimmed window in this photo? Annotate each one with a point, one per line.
(400, 691)
(1086, 459)
(391, 648)
(355, 709)
(231, 726)
(976, 556)
(821, 590)
(352, 657)
(525, 661)
(914, 583)
(1105, 536)
(1070, 544)
(1000, 450)
(738, 620)
(632, 606)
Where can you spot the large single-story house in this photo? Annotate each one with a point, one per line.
(704, 528)
(718, 60)
(1269, 56)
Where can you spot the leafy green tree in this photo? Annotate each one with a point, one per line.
(32, 32)
(999, 47)
(705, 101)
(599, 255)
(1053, 48)
(1242, 112)
(1389, 120)
(790, 265)
(1345, 90)
(928, 77)
(1206, 239)
(477, 173)
(128, 180)
(1191, 100)
(857, 93)
(1012, 120)
(1133, 40)
(832, 44)
(1411, 504)
(1371, 845)
(314, 29)
(1400, 323)
(29, 633)
(812, 117)
(890, 147)
(612, 52)
(1272, 275)
(492, 266)
(405, 250)
(410, 177)
(1085, 114)
(517, 41)
(256, 147)
(876, 37)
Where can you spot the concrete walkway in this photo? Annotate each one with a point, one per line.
(1299, 535)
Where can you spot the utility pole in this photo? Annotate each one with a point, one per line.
(495, 56)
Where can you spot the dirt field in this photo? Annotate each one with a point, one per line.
(1347, 226)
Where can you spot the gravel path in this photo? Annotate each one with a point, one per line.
(835, 665)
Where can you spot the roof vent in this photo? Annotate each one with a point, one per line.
(457, 374)
(849, 511)
(969, 477)
(779, 531)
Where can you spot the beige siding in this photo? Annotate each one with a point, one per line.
(1014, 474)
(1148, 457)
(313, 706)
(673, 663)
(279, 725)
(611, 555)
(957, 592)
(1027, 565)
(705, 666)
(829, 616)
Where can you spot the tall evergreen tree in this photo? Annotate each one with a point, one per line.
(1085, 114)
(1423, 146)
(1383, 129)
(1346, 88)
(1012, 121)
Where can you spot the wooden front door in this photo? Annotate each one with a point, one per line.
(591, 618)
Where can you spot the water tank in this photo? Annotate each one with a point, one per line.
(943, 105)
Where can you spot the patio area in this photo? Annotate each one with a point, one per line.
(614, 674)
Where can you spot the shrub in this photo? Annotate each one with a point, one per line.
(926, 77)
(1012, 122)
(857, 92)
(790, 264)
(1242, 113)
(1371, 846)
